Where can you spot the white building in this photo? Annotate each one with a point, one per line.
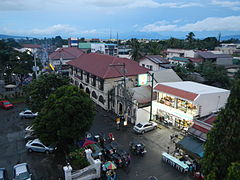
(153, 62)
(179, 103)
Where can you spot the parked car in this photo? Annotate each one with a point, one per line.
(21, 172)
(144, 127)
(29, 129)
(152, 178)
(6, 104)
(3, 174)
(137, 148)
(28, 114)
(125, 157)
(37, 146)
(30, 135)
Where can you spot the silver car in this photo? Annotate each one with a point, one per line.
(37, 146)
(21, 172)
(144, 127)
(28, 114)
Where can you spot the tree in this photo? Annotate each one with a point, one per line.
(153, 48)
(181, 71)
(39, 90)
(190, 37)
(233, 171)
(66, 116)
(223, 141)
(136, 49)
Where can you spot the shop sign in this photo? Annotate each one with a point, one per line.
(142, 79)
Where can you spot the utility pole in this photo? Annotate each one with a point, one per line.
(35, 66)
(152, 76)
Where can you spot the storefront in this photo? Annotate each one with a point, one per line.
(171, 116)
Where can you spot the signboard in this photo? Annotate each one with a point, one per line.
(142, 79)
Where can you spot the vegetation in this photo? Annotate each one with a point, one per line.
(213, 74)
(78, 159)
(222, 157)
(65, 117)
(38, 91)
(12, 61)
(136, 49)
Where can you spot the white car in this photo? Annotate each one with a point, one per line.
(28, 114)
(144, 127)
(21, 172)
(37, 146)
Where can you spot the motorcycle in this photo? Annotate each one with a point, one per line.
(137, 148)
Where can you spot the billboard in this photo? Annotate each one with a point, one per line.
(142, 79)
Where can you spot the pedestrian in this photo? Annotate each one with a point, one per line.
(168, 149)
(104, 170)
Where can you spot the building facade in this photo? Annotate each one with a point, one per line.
(179, 103)
(106, 79)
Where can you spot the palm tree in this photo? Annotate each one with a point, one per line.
(154, 48)
(136, 49)
(190, 37)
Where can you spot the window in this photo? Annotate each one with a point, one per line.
(94, 95)
(143, 65)
(101, 99)
(150, 67)
(87, 77)
(101, 84)
(81, 76)
(93, 80)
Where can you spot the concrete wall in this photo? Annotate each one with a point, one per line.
(211, 102)
(189, 53)
(224, 61)
(148, 63)
(143, 115)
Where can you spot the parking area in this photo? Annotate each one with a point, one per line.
(156, 142)
(13, 150)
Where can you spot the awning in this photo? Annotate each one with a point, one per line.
(192, 145)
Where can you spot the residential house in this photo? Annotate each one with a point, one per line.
(106, 79)
(103, 48)
(154, 62)
(219, 59)
(179, 103)
(61, 56)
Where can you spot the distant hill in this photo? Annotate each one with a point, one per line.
(3, 36)
(230, 37)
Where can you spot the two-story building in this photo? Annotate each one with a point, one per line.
(154, 62)
(61, 56)
(179, 103)
(101, 76)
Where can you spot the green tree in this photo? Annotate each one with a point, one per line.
(190, 37)
(136, 49)
(233, 171)
(66, 116)
(223, 141)
(38, 91)
(190, 66)
(181, 72)
(153, 48)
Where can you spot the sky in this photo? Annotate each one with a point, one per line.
(127, 18)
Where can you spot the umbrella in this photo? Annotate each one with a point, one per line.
(110, 165)
(86, 142)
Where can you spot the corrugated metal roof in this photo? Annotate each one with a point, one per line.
(182, 59)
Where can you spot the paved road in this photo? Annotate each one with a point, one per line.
(156, 142)
(12, 148)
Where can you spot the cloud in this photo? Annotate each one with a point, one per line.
(231, 23)
(234, 5)
(59, 29)
(13, 5)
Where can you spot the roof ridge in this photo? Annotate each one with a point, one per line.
(108, 69)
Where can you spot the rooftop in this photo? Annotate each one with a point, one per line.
(100, 65)
(156, 59)
(66, 53)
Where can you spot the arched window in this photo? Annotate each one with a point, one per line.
(81, 86)
(87, 91)
(94, 95)
(101, 99)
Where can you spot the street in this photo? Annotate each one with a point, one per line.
(49, 167)
(13, 149)
(156, 142)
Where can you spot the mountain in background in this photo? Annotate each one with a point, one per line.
(128, 35)
(3, 36)
(223, 38)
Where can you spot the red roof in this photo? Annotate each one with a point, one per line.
(66, 53)
(99, 65)
(176, 92)
(210, 120)
(200, 128)
(195, 60)
(31, 46)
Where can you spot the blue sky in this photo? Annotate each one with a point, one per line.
(130, 18)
